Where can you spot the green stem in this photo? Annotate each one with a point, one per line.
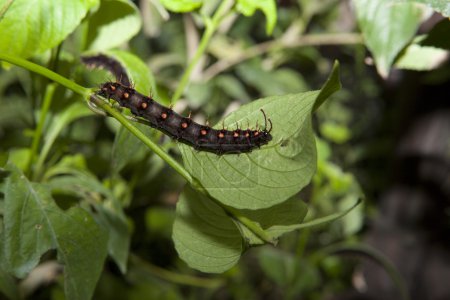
(211, 27)
(46, 73)
(149, 143)
(48, 96)
(175, 277)
(254, 227)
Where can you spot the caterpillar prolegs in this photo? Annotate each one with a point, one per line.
(183, 129)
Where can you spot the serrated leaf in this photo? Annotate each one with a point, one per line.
(419, 58)
(32, 27)
(387, 28)
(113, 24)
(272, 174)
(268, 7)
(34, 224)
(204, 235)
(280, 217)
(181, 6)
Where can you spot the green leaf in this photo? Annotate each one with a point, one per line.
(32, 27)
(275, 220)
(387, 28)
(420, 58)
(204, 235)
(109, 213)
(272, 174)
(268, 7)
(34, 224)
(442, 6)
(113, 24)
(181, 6)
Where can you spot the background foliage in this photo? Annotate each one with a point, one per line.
(106, 208)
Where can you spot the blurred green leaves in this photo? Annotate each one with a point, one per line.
(387, 28)
(114, 23)
(32, 27)
(268, 7)
(34, 224)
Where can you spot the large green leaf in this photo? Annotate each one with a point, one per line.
(116, 22)
(268, 7)
(272, 174)
(32, 27)
(204, 235)
(34, 224)
(387, 28)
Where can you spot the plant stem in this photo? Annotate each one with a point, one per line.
(48, 96)
(211, 27)
(46, 73)
(175, 277)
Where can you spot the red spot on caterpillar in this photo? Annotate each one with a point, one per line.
(164, 115)
(144, 105)
(126, 95)
(184, 125)
(221, 135)
(203, 132)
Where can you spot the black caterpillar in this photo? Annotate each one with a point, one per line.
(201, 137)
(184, 129)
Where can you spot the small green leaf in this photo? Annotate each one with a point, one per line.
(420, 58)
(387, 28)
(268, 7)
(114, 23)
(181, 6)
(280, 217)
(34, 224)
(73, 112)
(204, 235)
(277, 171)
(32, 27)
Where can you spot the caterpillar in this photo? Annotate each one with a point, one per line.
(182, 129)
